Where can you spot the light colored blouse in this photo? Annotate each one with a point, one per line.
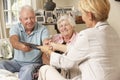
(69, 73)
(58, 38)
(96, 52)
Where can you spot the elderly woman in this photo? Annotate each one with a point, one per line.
(66, 26)
(96, 50)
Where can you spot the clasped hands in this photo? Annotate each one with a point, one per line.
(48, 47)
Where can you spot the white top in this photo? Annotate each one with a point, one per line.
(96, 52)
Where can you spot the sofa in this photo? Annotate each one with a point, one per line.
(6, 53)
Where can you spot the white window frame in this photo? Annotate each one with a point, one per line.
(13, 8)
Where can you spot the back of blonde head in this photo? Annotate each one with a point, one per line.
(99, 8)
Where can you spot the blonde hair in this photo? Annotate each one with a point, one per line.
(68, 18)
(99, 8)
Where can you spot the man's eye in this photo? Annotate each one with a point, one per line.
(32, 17)
(25, 18)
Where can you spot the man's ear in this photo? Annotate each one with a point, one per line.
(20, 19)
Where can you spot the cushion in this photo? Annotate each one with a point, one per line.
(7, 75)
(6, 49)
(6, 52)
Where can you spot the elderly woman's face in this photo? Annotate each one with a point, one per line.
(65, 28)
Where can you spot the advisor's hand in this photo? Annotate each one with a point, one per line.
(45, 49)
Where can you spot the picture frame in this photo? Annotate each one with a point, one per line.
(48, 14)
(64, 10)
(39, 12)
(40, 19)
(117, 0)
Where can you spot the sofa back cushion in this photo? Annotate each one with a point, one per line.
(6, 50)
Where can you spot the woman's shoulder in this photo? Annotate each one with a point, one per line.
(86, 31)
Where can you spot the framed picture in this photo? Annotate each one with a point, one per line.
(40, 19)
(48, 13)
(117, 0)
(39, 12)
(64, 10)
(49, 16)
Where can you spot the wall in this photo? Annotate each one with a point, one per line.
(38, 4)
(115, 15)
(62, 3)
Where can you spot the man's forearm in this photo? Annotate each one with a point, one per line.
(17, 44)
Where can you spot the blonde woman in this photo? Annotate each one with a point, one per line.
(96, 50)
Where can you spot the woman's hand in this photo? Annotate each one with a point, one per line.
(53, 46)
(47, 41)
(58, 47)
(45, 49)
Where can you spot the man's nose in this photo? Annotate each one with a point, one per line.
(29, 19)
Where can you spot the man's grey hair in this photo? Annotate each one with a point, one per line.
(25, 7)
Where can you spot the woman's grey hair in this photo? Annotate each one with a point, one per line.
(68, 18)
(25, 7)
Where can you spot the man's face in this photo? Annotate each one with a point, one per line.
(27, 19)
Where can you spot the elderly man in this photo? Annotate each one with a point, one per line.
(26, 59)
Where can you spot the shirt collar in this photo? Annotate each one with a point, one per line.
(100, 24)
(72, 38)
(35, 28)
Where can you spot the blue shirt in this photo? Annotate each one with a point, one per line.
(39, 33)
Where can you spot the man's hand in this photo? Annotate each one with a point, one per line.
(19, 45)
(25, 48)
